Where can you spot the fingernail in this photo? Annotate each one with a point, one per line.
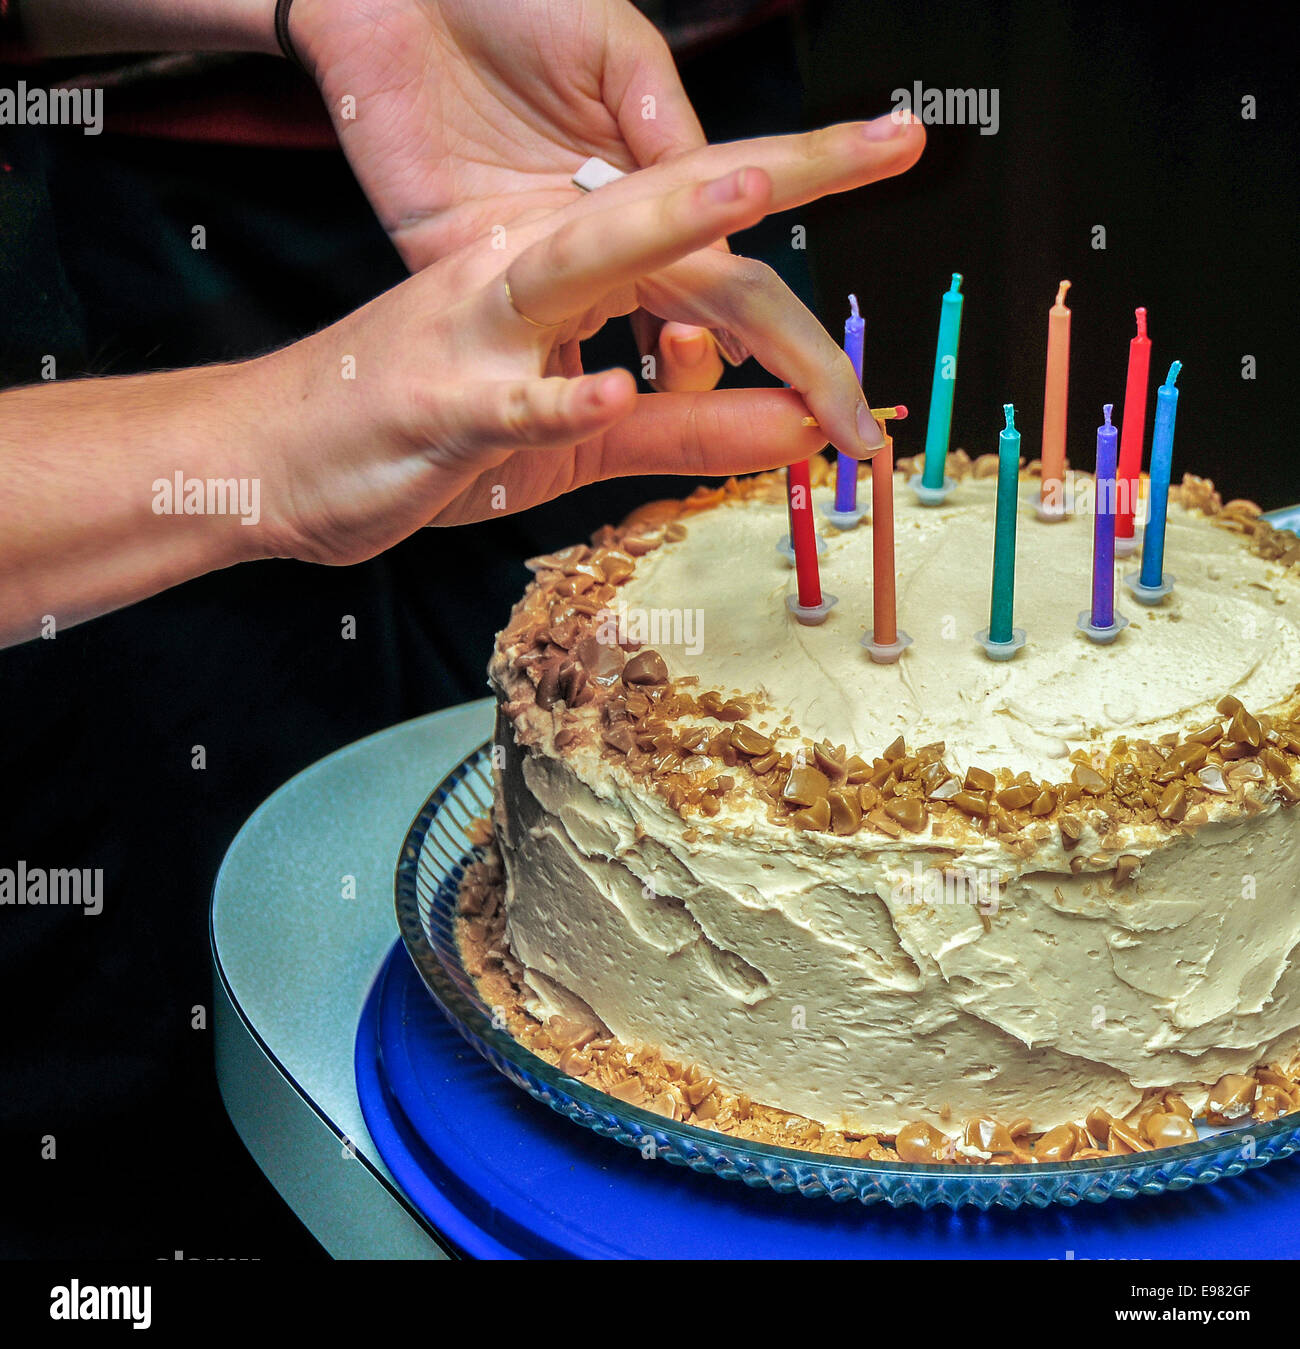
(723, 190)
(869, 431)
(887, 127)
(690, 351)
(733, 350)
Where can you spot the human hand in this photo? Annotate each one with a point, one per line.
(461, 407)
(462, 118)
(473, 114)
(477, 117)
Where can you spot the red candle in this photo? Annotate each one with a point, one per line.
(884, 601)
(1130, 440)
(803, 534)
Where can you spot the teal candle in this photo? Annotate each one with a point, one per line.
(939, 430)
(1004, 541)
(1162, 456)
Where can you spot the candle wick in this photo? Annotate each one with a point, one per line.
(1108, 409)
(1009, 409)
(1173, 372)
(1060, 293)
(1142, 321)
(853, 306)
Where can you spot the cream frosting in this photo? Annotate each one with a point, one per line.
(828, 976)
(1232, 625)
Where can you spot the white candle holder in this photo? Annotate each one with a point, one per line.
(786, 548)
(1128, 547)
(842, 520)
(930, 496)
(1001, 650)
(811, 614)
(886, 653)
(1102, 636)
(1149, 594)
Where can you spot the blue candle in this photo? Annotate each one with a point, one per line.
(1162, 454)
(1002, 603)
(846, 468)
(945, 382)
(1103, 528)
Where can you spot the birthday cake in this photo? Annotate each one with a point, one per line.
(944, 908)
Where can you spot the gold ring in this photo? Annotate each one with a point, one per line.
(510, 297)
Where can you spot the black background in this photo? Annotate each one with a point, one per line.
(1126, 117)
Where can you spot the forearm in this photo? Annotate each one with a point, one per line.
(90, 515)
(83, 27)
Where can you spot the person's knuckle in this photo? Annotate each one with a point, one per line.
(567, 250)
(552, 409)
(673, 212)
(518, 416)
(812, 146)
(750, 281)
(753, 273)
(827, 144)
(693, 440)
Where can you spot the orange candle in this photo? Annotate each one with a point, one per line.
(886, 642)
(1055, 398)
(884, 600)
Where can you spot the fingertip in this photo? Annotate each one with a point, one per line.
(870, 431)
(608, 392)
(898, 135)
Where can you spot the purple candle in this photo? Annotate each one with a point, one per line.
(1103, 533)
(846, 469)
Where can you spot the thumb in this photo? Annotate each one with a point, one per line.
(644, 91)
(684, 357)
(688, 359)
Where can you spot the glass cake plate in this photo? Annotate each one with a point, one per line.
(437, 849)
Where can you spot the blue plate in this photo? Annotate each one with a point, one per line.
(430, 867)
(499, 1175)
(1286, 518)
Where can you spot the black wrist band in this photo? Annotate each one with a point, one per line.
(282, 32)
